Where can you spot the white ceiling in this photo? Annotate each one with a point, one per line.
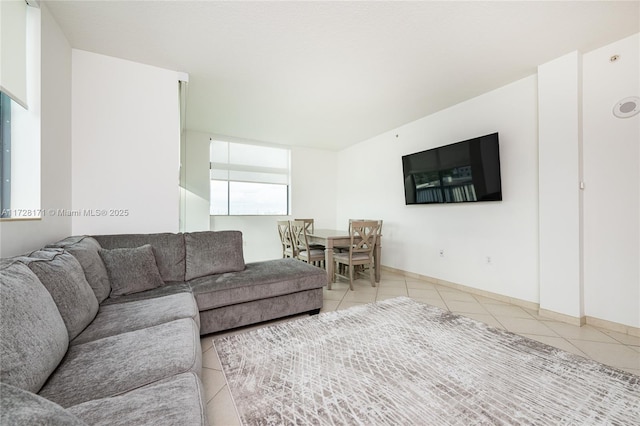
(331, 74)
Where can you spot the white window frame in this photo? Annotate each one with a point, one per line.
(259, 170)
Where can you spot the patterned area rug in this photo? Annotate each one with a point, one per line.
(400, 362)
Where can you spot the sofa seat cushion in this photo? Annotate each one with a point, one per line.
(121, 363)
(178, 400)
(85, 249)
(131, 270)
(21, 407)
(209, 253)
(168, 250)
(125, 317)
(64, 278)
(260, 280)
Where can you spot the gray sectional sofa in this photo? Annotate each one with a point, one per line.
(105, 330)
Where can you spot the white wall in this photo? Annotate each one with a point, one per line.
(612, 192)
(17, 237)
(196, 192)
(313, 187)
(371, 185)
(560, 140)
(126, 142)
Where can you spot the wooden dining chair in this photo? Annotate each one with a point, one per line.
(346, 248)
(289, 249)
(306, 253)
(309, 228)
(362, 269)
(343, 249)
(363, 235)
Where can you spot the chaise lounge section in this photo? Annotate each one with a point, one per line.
(228, 292)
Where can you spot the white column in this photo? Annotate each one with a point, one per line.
(560, 199)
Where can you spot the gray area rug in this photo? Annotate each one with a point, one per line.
(400, 362)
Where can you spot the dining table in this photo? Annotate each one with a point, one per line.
(332, 238)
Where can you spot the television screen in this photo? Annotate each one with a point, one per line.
(462, 172)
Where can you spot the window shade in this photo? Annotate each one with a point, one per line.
(249, 163)
(13, 50)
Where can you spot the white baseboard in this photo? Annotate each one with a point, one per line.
(613, 326)
(579, 321)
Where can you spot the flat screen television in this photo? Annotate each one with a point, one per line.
(466, 171)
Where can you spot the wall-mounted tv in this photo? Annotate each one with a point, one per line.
(461, 172)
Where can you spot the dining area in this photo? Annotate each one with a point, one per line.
(342, 253)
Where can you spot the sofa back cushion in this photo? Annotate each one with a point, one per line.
(63, 276)
(167, 248)
(131, 270)
(20, 407)
(33, 337)
(211, 252)
(85, 250)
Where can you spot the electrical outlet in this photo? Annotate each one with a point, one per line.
(489, 260)
(441, 252)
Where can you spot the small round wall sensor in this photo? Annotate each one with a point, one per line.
(627, 107)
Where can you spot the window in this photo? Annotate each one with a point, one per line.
(5, 156)
(20, 113)
(249, 179)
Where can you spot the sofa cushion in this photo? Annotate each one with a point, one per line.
(63, 276)
(124, 362)
(33, 337)
(168, 250)
(85, 249)
(139, 314)
(213, 253)
(20, 407)
(178, 400)
(259, 280)
(131, 270)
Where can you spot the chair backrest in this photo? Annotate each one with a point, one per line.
(299, 234)
(363, 235)
(367, 220)
(308, 225)
(284, 230)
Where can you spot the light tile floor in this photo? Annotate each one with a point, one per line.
(605, 346)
